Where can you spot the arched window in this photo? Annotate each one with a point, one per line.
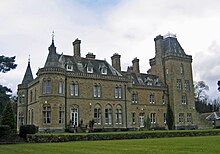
(97, 114)
(108, 115)
(61, 87)
(61, 114)
(46, 114)
(118, 115)
(32, 116)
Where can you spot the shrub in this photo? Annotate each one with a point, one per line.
(4, 130)
(8, 117)
(27, 129)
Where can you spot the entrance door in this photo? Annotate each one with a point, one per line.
(141, 117)
(74, 117)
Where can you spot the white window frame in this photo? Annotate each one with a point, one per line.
(46, 114)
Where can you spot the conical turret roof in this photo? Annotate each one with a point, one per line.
(28, 77)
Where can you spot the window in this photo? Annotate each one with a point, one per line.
(118, 91)
(181, 69)
(179, 84)
(89, 69)
(189, 118)
(46, 114)
(29, 116)
(164, 118)
(181, 117)
(74, 116)
(32, 116)
(108, 115)
(167, 71)
(153, 118)
(186, 85)
(152, 99)
(134, 97)
(61, 87)
(133, 118)
(74, 89)
(47, 86)
(35, 94)
(97, 90)
(61, 114)
(97, 115)
(141, 116)
(118, 115)
(21, 98)
(104, 70)
(31, 93)
(163, 99)
(184, 99)
(69, 67)
(21, 118)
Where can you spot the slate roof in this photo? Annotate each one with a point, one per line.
(28, 76)
(214, 116)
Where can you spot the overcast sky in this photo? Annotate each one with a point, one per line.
(127, 27)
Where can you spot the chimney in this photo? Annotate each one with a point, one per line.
(158, 45)
(90, 56)
(136, 65)
(116, 63)
(76, 48)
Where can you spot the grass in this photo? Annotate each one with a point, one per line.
(184, 145)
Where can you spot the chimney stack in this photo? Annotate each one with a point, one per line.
(76, 48)
(90, 56)
(136, 65)
(158, 45)
(116, 63)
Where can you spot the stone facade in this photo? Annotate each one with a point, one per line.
(71, 91)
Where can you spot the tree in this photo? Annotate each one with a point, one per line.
(200, 88)
(8, 117)
(218, 83)
(7, 63)
(169, 117)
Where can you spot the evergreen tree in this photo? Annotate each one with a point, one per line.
(8, 117)
(169, 117)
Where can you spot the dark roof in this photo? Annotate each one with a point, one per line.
(171, 45)
(214, 116)
(28, 77)
(144, 79)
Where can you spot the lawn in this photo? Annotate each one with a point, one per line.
(184, 145)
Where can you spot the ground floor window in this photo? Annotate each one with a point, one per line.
(153, 118)
(46, 114)
(181, 117)
(189, 117)
(118, 115)
(141, 116)
(61, 114)
(108, 115)
(97, 115)
(74, 117)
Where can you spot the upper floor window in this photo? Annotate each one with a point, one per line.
(167, 71)
(74, 89)
(21, 98)
(186, 85)
(61, 87)
(31, 93)
(47, 87)
(97, 90)
(184, 99)
(104, 70)
(152, 99)
(46, 114)
(69, 67)
(181, 69)
(118, 91)
(163, 99)
(179, 84)
(134, 97)
(181, 117)
(89, 69)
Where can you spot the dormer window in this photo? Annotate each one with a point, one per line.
(69, 67)
(104, 70)
(89, 69)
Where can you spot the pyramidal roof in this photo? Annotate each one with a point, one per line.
(28, 77)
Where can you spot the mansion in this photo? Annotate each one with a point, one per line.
(71, 90)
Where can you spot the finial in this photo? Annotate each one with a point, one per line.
(53, 36)
(29, 59)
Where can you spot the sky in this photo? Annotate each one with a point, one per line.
(105, 27)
